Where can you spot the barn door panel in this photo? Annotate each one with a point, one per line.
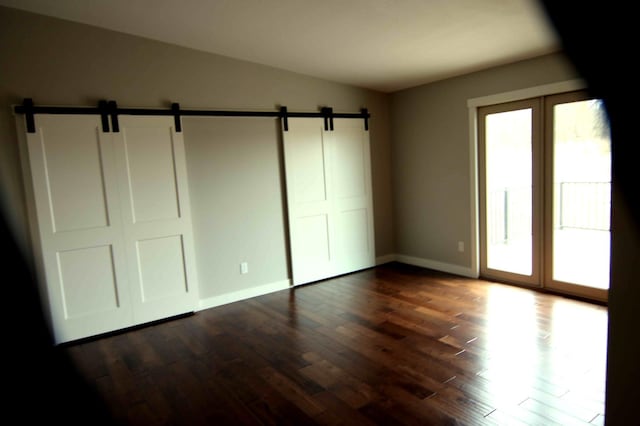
(308, 195)
(110, 222)
(352, 197)
(78, 229)
(156, 217)
(329, 198)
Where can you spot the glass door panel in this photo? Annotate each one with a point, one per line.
(508, 194)
(580, 200)
(508, 153)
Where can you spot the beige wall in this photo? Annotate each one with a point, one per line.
(234, 168)
(431, 155)
(238, 204)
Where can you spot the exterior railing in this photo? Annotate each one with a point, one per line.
(584, 205)
(579, 205)
(509, 214)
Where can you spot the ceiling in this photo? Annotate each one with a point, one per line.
(384, 45)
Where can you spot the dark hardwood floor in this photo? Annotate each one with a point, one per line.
(391, 345)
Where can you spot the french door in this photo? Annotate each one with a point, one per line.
(545, 193)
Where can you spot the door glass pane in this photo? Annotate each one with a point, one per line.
(581, 193)
(509, 191)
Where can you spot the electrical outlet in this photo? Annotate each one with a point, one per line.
(461, 246)
(244, 268)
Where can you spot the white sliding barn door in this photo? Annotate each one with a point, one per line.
(330, 209)
(311, 231)
(352, 196)
(156, 217)
(112, 228)
(77, 206)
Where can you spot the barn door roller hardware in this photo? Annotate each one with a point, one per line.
(110, 109)
(327, 112)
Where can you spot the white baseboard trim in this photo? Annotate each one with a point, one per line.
(436, 265)
(386, 258)
(236, 296)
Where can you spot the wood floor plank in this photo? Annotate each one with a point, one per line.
(337, 412)
(395, 344)
(562, 415)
